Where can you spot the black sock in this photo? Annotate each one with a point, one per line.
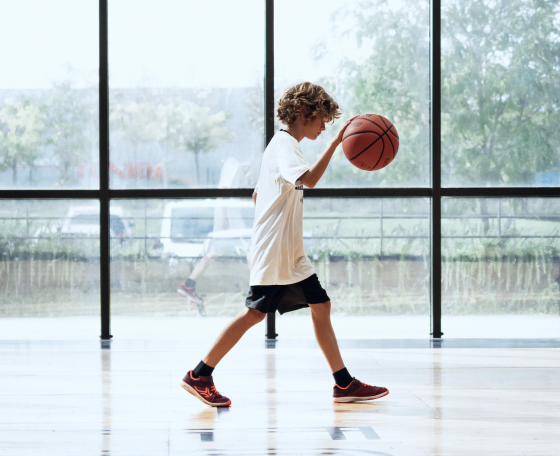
(190, 283)
(202, 369)
(342, 378)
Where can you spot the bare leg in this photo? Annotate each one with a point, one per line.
(200, 267)
(231, 334)
(324, 333)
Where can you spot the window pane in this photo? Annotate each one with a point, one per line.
(371, 255)
(186, 95)
(372, 57)
(49, 94)
(500, 93)
(50, 268)
(500, 269)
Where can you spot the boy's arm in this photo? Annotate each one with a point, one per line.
(255, 198)
(312, 176)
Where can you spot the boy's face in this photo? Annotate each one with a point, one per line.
(313, 128)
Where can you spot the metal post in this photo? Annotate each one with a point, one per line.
(380, 228)
(269, 113)
(499, 218)
(104, 233)
(435, 141)
(145, 228)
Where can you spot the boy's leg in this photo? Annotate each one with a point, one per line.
(324, 333)
(352, 389)
(200, 267)
(201, 385)
(231, 334)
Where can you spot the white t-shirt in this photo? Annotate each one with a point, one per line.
(277, 255)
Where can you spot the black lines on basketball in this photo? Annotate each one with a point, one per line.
(367, 152)
(372, 144)
(388, 137)
(380, 137)
(380, 155)
(359, 133)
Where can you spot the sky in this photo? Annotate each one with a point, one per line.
(164, 43)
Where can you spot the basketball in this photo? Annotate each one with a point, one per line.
(370, 142)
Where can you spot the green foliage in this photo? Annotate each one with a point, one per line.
(390, 78)
(71, 125)
(500, 87)
(169, 118)
(138, 119)
(500, 91)
(192, 128)
(22, 124)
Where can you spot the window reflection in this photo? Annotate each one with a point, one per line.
(50, 258)
(371, 254)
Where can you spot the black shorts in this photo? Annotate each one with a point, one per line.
(286, 298)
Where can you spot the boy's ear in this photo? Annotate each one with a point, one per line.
(303, 111)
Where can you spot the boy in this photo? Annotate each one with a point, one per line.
(282, 277)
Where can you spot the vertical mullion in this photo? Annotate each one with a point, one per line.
(435, 140)
(269, 113)
(104, 241)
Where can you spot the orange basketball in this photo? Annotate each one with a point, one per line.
(370, 142)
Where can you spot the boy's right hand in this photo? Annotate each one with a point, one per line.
(338, 138)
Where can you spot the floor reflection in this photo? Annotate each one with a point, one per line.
(106, 412)
(438, 409)
(271, 397)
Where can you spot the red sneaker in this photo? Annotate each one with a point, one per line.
(358, 391)
(190, 293)
(203, 388)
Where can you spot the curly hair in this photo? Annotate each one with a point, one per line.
(314, 100)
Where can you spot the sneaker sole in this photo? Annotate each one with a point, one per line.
(194, 392)
(359, 399)
(190, 298)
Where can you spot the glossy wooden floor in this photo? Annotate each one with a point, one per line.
(74, 398)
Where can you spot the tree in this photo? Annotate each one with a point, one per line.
(500, 86)
(500, 92)
(70, 120)
(139, 119)
(191, 128)
(390, 78)
(22, 123)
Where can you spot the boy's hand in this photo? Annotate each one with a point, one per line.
(338, 138)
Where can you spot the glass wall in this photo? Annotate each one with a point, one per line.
(173, 240)
(49, 94)
(372, 256)
(500, 93)
(49, 260)
(186, 112)
(500, 269)
(372, 57)
(186, 93)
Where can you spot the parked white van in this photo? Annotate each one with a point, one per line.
(219, 227)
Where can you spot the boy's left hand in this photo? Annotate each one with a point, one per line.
(338, 138)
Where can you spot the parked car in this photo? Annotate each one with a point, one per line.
(216, 227)
(83, 221)
(195, 228)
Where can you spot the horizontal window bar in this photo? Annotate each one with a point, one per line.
(367, 192)
(497, 192)
(49, 194)
(472, 192)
